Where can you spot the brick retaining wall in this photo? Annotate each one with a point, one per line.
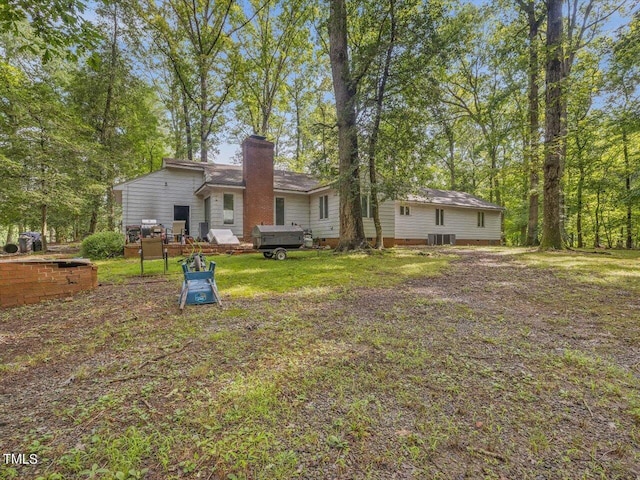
(31, 281)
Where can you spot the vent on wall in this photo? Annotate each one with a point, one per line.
(442, 239)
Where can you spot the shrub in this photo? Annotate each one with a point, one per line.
(103, 245)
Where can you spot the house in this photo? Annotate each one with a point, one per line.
(208, 195)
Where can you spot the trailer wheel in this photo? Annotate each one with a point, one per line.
(280, 254)
(267, 254)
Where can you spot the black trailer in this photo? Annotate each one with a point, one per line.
(274, 240)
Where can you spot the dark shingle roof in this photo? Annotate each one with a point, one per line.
(297, 182)
(453, 198)
(217, 174)
(231, 175)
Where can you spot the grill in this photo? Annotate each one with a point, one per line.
(274, 240)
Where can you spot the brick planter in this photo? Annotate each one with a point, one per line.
(31, 281)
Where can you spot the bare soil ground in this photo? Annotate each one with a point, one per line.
(490, 370)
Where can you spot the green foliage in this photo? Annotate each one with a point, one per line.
(103, 245)
(56, 27)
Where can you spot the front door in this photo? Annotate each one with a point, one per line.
(181, 212)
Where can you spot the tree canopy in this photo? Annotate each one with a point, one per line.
(450, 95)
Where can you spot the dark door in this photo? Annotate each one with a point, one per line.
(181, 212)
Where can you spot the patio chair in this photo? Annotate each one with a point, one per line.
(178, 229)
(153, 249)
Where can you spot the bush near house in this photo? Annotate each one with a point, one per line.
(103, 245)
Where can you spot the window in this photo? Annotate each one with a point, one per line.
(227, 205)
(323, 203)
(279, 211)
(481, 219)
(367, 210)
(404, 210)
(439, 216)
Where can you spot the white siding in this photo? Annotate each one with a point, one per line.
(463, 222)
(296, 209)
(327, 227)
(217, 205)
(387, 221)
(153, 196)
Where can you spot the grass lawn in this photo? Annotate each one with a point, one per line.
(440, 363)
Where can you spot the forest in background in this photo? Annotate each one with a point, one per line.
(446, 94)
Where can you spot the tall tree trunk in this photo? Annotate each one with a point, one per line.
(494, 183)
(106, 127)
(373, 139)
(204, 123)
(627, 168)
(581, 179)
(297, 106)
(533, 148)
(596, 239)
(10, 233)
(351, 227)
(43, 226)
(451, 164)
(551, 234)
(93, 223)
(111, 224)
(187, 126)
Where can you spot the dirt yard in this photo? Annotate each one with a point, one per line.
(493, 369)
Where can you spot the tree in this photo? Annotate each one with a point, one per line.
(344, 85)
(272, 43)
(39, 137)
(623, 81)
(554, 79)
(196, 38)
(118, 109)
(56, 27)
(535, 16)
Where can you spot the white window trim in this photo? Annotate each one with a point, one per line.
(481, 220)
(323, 207)
(233, 199)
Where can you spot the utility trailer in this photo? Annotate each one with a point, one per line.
(274, 240)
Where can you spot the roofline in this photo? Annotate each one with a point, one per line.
(198, 168)
(472, 207)
(284, 190)
(218, 185)
(319, 189)
(122, 184)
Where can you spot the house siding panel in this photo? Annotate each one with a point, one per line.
(217, 210)
(387, 221)
(296, 209)
(153, 197)
(459, 221)
(327, 227)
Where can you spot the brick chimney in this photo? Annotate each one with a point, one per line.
(257, 172)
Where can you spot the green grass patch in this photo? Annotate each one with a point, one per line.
(613, 267)
(328, 366)
(251, 274)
